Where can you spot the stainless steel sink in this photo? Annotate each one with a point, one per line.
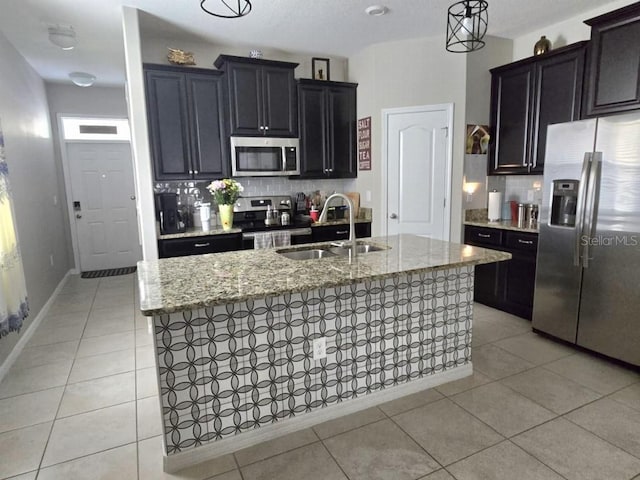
(310, 254)
(345, 250)
(313, 253)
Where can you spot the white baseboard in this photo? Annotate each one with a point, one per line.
(176, 462)
(28, 333)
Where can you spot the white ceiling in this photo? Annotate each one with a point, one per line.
(331, 27)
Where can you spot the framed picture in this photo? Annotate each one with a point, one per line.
(320, 67)
(477, 139)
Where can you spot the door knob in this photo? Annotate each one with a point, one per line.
(393, 215)
(132, 197)
(78, 215)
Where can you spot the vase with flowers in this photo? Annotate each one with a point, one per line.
(225, 192)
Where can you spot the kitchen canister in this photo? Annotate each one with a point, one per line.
(522, 215)
(506, 211)
(205, 216)
(495, 206)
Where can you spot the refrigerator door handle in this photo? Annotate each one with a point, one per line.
(582, 193)
(591, 206)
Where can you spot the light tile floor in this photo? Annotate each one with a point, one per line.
(81, 402)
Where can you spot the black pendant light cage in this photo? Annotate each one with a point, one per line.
(466, 25)
(226, 8)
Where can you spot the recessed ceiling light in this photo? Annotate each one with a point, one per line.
(82, 79)
(376, 10)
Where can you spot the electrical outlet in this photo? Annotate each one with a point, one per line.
(55, 200)
(51, 259)
(530, 195)
(320, 348)
(367, 195)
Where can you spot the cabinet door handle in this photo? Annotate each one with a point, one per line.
(261, 127)
(526, 242)
(190, 172)
(484, 235)
(266, 128)
(195, 172)
(199, 245)
(342, 232)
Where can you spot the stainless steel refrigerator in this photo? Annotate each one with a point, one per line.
(588, 272)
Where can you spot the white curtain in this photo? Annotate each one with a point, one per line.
(13, 292)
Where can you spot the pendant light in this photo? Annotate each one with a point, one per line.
(226, 8)
(466, 25)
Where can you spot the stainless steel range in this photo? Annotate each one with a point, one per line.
(261, 214)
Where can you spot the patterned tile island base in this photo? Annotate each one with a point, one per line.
(237, 374)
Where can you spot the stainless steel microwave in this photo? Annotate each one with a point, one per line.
(264, 157)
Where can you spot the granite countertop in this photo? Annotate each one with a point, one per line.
(502, 225)
(198, 232)
(342, 221)
(185, 283)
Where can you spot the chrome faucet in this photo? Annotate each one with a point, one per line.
(352, 229)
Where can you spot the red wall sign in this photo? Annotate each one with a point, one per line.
(364, 143)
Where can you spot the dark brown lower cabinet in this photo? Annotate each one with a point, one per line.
(331, 233)
(509, 285)
(181, 247)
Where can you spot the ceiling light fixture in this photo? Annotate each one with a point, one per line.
(227, 8)
(82, 79)
(376, 10)
(63, 37)
(466, 25)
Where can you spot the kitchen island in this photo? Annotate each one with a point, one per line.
(251, 345)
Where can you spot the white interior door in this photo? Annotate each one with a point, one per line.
(103, 198)
(418, 170)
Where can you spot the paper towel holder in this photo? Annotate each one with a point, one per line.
(494, 206)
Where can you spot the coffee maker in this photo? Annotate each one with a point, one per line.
(168, 213)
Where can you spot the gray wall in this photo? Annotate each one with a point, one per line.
(34, 179)
(69, 99)
(402, 74)
(496, 52)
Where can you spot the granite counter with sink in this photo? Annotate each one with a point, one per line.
(252, 345)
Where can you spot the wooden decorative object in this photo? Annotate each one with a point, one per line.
(180, 57)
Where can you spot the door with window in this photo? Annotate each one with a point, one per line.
(104, 207)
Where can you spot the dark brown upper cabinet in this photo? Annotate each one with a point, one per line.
(527, 96)
(260, 96)
(328, 137)
(186, 127)
(613, 80)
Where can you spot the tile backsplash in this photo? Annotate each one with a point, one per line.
(521, 188)
(256, 186)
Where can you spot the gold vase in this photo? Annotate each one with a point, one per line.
(542, 46)
(226, 216)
